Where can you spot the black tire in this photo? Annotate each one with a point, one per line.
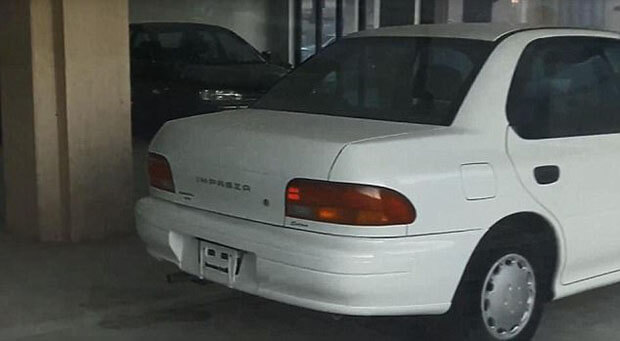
(465, 321)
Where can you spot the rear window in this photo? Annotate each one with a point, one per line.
(417, 80)
(193, 44)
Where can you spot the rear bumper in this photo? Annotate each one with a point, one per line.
(342, 275)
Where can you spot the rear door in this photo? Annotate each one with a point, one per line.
(564, 112)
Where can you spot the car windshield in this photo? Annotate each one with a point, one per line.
(192, 44)
(417, 80)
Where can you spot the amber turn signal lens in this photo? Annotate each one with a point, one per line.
(160, 174)
(347, 204)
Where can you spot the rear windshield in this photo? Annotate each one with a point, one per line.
(417, 80)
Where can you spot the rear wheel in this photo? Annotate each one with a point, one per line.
(501, 296)
(508, 297)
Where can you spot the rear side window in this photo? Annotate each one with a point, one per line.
(566, 86)
(417, 80)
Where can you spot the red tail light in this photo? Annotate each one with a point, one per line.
(160, 173)
(347, 204)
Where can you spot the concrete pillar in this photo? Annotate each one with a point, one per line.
(455, 11)
(66, 118)
(417, 12)
(351, 16)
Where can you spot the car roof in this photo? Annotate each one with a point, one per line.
(474, 31)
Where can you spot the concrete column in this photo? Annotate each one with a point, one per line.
(455, 11)
(66, 118)
(417, 12)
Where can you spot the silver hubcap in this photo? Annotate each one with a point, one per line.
(508, 296)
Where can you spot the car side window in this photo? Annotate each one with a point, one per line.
(201, 47)
(566, 86)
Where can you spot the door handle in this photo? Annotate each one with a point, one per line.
(546, 175)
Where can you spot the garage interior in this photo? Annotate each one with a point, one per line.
(72, 266)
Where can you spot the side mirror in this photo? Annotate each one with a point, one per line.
(267, 55)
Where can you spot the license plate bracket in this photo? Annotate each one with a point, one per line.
(219, 261)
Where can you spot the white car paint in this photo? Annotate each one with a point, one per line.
(462, 180)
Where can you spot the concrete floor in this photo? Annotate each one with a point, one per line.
(114, 291)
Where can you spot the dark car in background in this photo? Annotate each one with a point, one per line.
(183, 69)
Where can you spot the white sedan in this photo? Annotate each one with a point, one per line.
(471, 170)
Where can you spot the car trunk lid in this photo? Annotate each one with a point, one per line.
(238, 163)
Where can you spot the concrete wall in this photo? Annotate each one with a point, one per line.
(19, 161)
(263, 23)
(97, 104)
(582, 13)
(612, 15)
(396, 13)
(455, 11)
(525, 12)
(66, 118)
